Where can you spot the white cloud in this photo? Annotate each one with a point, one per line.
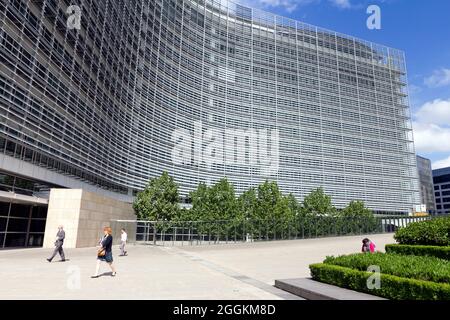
(436, 112)
(288, 5)
(439, 78)
(432, 127)
(431, 138)
(344, 4)
(444, 163)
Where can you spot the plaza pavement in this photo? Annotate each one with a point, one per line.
(227, 271)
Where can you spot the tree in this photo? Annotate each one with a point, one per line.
(223, 207)
(356, 209)
(185, 215)
(217, 202)
(248, 203)
(356, 218)
(317, 214)
(273, 210)
(216, 208)
(269, 195)
(222, 201)
(317, 203)
(293, 204)
(159, 200)
(200, 202)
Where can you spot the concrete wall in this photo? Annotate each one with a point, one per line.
(83, 215)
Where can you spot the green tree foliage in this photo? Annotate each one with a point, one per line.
(317, 203)
(216, 208)
(356, 209)
(200, 203)
(248, 203)
(214, 203)
(267, 211)
(261, 212)
(357, 217)
(317, 214)
(293, 204)
(159, 200)
(271, 203)
(222, 201)
(184, 215)
(435, 232)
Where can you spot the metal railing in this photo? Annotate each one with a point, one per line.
(251, 230)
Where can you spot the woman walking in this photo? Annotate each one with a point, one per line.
(105, 252)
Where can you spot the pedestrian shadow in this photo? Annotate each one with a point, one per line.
(63, 260)
(104, 274)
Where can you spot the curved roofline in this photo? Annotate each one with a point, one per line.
(297, 22)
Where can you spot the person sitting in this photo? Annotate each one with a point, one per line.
(368, 246)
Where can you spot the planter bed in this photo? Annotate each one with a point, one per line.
(403, 277)
(392, 287)
(442, 252)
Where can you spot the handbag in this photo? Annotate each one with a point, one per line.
(101, 252)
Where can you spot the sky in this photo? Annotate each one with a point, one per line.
(421, 28)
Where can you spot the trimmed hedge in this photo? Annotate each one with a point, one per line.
(416, 250)
(413, 267)
(435, 232)
(392, 287)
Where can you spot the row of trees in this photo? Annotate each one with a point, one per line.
(220, 210)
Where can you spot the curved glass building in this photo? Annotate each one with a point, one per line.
(202, 89)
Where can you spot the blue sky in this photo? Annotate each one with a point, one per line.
(421, 28)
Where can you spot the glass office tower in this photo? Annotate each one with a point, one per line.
(441, 179)
(426, 184)
(204, 89)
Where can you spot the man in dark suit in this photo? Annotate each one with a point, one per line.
(60, 235)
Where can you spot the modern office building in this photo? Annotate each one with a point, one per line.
(202, 89)
(426, 185)
(441, 179)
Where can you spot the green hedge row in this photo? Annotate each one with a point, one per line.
(392, 287)
(405, 266)
(435, 232)
(416, 250)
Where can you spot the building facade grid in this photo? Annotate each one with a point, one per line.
(441, 180)
(427, 196)
(102, 103)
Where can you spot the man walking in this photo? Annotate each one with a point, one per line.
(123, 241)
(60, 235)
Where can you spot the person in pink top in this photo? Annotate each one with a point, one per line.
(368, 246)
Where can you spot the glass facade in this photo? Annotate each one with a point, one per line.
(441, 179)
(22, 224)
(205, 89)
(426, 184)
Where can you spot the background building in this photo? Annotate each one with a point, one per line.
(441, 179)
(426, 184)
(202, 89)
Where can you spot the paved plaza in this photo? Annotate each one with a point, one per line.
(232, 271)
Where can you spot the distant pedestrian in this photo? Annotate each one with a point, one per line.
(368, 246)
(123, 242)
(105, 252)
(60, 236)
